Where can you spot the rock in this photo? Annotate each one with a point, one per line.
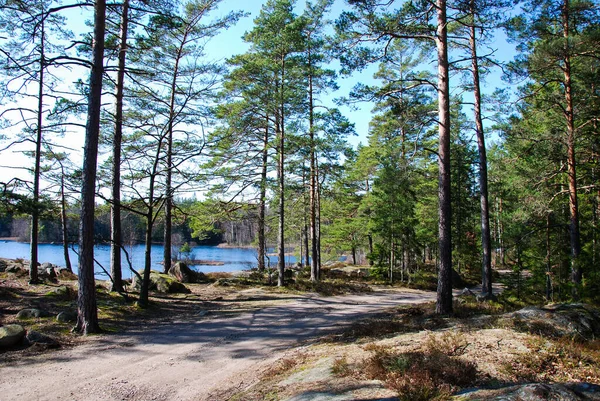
(466, 293)
(181, 272)
(486, 297)
(534, 392)
(162, 283)
(11, 335)
(51, 274)
(67, 317)
(13, 268)
(66, 274)
(34, 337)
(31, 313)
(184, 274)
(64, 292)
(47, 265)
(560, 320)
(3, 265)
(168, 285)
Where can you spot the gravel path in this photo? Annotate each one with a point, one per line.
(189, 360)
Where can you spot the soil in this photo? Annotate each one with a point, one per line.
(208, 345)
(252, 344)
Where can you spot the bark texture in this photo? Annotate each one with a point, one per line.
(115, 210)
(486, 243)
(87, 312)
(444, 288)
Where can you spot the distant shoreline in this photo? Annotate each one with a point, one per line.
(223, 245)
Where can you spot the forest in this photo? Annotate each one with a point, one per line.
(453, 175)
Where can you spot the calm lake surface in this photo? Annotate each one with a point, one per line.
(233, 259)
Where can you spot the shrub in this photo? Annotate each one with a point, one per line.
(419, 375)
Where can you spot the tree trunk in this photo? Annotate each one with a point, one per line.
(167, 257)
(306, 245)
(145, 284)
(370, 237)
(576, 274)
(281, 184)
(143, 300)
(392, 260)
(500, 233)
(486, 243)
(318, 220)
(35, 212)
(548, 262)
(87, 313)
(262, 243)
(444, 288)
(63, 220)
(115, 210)
(281, 211)
(314, 267)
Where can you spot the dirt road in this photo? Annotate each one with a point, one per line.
(195, 360)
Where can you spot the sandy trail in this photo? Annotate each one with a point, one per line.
(189, 360)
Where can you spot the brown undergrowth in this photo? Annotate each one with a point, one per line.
(433, 371)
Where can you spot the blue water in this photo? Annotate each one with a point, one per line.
(234, 259)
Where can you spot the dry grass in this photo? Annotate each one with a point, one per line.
(426, 374)
(561, 360)
(329, 287)
(341, 367)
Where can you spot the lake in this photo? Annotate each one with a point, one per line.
(233, 259)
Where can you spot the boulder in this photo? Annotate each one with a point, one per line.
(163, 283)
(13, 268)
(66, 274)
(3, 265)
(11, 335)
(67, 317)
(182, 273)
(51, 274)
(64, 292)
(31, 313)
(168, 285)
(578, 321)
(534, 392)
(34, 337)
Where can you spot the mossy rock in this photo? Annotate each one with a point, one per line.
(31, 313)
(11, 335)
(162, 283)
(166, 284)
(63, 292)
(67, 317)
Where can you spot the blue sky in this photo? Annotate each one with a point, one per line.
(229, 43)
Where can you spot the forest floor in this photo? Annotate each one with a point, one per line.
(258, 343)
